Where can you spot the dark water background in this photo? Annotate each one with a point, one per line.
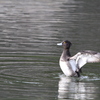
(29, 32)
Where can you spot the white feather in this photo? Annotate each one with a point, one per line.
(73, 65)
(82, 58)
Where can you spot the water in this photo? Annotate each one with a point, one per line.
(29, 32)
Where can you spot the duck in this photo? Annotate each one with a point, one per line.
(72, 65)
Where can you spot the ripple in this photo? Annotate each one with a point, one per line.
(89, 78)
(38, 83)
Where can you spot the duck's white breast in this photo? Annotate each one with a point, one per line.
(68, 68)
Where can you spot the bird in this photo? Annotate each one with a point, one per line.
(72, 65)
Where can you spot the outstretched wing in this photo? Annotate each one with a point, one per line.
(86, 56)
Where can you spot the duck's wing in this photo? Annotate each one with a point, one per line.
(86, 56)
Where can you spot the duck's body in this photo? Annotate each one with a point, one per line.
(67, 66)
(71, 66)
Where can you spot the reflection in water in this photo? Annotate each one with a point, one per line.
(71, 88)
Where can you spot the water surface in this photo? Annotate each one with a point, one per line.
(29, 32)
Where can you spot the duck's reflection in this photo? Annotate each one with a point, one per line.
(71, 88)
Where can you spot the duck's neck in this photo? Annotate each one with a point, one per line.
(65, 54)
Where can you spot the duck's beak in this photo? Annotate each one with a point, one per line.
(59, 44)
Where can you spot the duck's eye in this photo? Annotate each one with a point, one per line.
(64, 42)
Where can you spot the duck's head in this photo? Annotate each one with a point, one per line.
(66, 44)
